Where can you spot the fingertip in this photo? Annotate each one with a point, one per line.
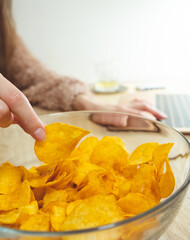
(157, 113)
(39, 134)
(162, 116)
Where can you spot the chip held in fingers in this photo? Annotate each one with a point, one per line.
(60, 141)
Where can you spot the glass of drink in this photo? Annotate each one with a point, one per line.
(106, 77)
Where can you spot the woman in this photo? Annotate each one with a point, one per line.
(42, 87)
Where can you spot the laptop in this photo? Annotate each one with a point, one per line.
(176, 106)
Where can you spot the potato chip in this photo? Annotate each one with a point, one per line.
(85, 168)
(20, 197)
(61, 139)
(25, 212)
(53, 195)
(94, 186)
(84, 151)
(129, 171)
(30, 209)
(38, 176)
(87, 146)
(92, 212)
(123, 185)
(116, 184)
(109, 179)
(10, 178)
(72, 205)
(110, 153)
(136, 203)
(72, 193)
(44, 169)
(9, 217)
(36, 180)
(75, 155)
(63, 175)
(160, 156)
(145, 182)
(38, 222)
(51, 204)
(58, 178)
(60, 169)
(167, 182)
(143, 153)
(57, 216)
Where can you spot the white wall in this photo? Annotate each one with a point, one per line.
(149, 39)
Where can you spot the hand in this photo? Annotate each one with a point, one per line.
(136, 107)
(15, 108)
(146, 108)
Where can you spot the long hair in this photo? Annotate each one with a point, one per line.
(7, 35)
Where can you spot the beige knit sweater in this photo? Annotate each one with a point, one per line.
(41, 86)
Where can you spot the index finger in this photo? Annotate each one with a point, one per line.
(21, 108)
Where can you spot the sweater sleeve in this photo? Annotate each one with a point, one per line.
(41, 86)
(55, 94)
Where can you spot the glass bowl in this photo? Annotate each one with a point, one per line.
(17, 148)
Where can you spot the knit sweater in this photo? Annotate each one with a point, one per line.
(41, 86)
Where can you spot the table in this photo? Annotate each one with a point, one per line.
(179, 229)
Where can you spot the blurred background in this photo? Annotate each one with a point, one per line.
(147, 40)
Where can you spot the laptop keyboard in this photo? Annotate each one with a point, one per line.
(177, 108)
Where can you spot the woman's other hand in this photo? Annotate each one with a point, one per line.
(145, 107)
(137, 107)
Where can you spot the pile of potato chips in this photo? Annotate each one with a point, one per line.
(83, 185)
